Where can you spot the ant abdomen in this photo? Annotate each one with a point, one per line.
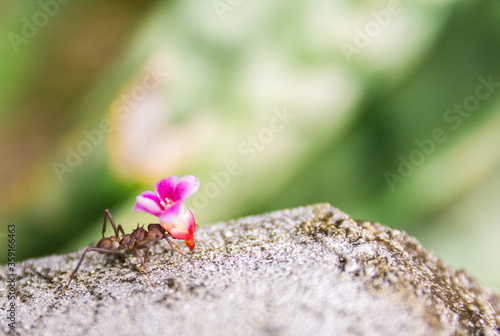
(105, 243)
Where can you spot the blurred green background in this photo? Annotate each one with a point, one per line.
(388, 110)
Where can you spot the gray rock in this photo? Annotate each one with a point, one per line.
(305, 271)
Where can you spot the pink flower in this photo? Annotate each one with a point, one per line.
(167, 203)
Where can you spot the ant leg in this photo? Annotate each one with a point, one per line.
(146, 253)
(142, 247)
(174, 247)
(143, 262)
(107, 214)
(95, 249)
(120, 229)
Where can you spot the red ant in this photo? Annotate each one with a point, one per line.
(134, 241)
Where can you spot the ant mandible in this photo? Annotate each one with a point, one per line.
(134, 241)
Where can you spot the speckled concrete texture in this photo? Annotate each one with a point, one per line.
(305, 271)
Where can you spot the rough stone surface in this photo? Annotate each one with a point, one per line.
(305, 271)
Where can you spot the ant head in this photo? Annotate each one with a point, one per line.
(154, 233)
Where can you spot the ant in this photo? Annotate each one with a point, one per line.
(134, 241)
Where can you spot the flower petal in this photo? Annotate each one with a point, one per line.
(171, 214)
(179, 234)
(190, 221)
(186, 187)
(165, 189)
(190, 242)
(148, 202)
